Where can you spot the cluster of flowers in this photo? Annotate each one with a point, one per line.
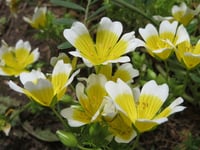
(107, 96)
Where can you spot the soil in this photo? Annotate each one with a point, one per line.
(168, 136)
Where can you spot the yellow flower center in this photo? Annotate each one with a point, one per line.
(16, 61)
(128, 106)
(58, 82)
(106, 47)
(148, 106)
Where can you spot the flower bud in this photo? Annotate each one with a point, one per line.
(67, 138)
(151, 74)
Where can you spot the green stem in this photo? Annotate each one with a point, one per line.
(83, 148)
(136, 142)
(98, 69)
(79, 66)
(167, 70)
(86, 12)
(24, 107)
(186, 80)
(128, 5)
(161, 70)
(60, 118)
(188, 98)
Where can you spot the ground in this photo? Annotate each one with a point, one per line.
(167, 136)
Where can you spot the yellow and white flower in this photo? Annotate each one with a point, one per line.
(160, 44)
(108, 46)
(181, 13)
(39, 18)
(184, 14)
(90, 99)
(42, 89)
(118, 123)
(188, 54)
(5, 126)
(145, 111)
(14, 60)
(65, 58)
(125, 72)
(13, 6)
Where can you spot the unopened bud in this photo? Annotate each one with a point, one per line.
(67, 138)
(151, 74)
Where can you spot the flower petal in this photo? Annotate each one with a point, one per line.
(122, 96)
(42, 92)
(144, 125)
(32, 76)
(172, 108)
(182, 35)
(167, 27)
(160, 91)
(75, 117)
(35, 54)
(122, 59)
(191, 60)
(23, 45)
(151, 99)
(75, 31)
(15, 87)
(148, 31)
(121, 128)
(72, 77)
(107, 24)
(126, 72)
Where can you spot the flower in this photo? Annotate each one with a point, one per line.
(65, 58)
(126, 72)
(160, 44)
(43, 90)
(108, 47)
(14, 60)
(184, 14)
(39, 18)
(188, 54)
(67, 138)
(13, 6)
(5, 126)
(144, 110)
(118, 124)
(90, 99)
(181, 13)
(96, 107)
(61, 56)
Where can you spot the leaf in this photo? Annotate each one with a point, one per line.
(67, 4)
(64, 45)
(67, 98)
(64, 21)
(44, 135)
(98, 11)
(6, 102)
(93, 2)
(195, 78)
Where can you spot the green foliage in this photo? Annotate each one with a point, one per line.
(67, 138)
(41, 134)
(191, 143)
(2, 24)
(140, 12)
(7, 102)
(68, 4)
(94, 136)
